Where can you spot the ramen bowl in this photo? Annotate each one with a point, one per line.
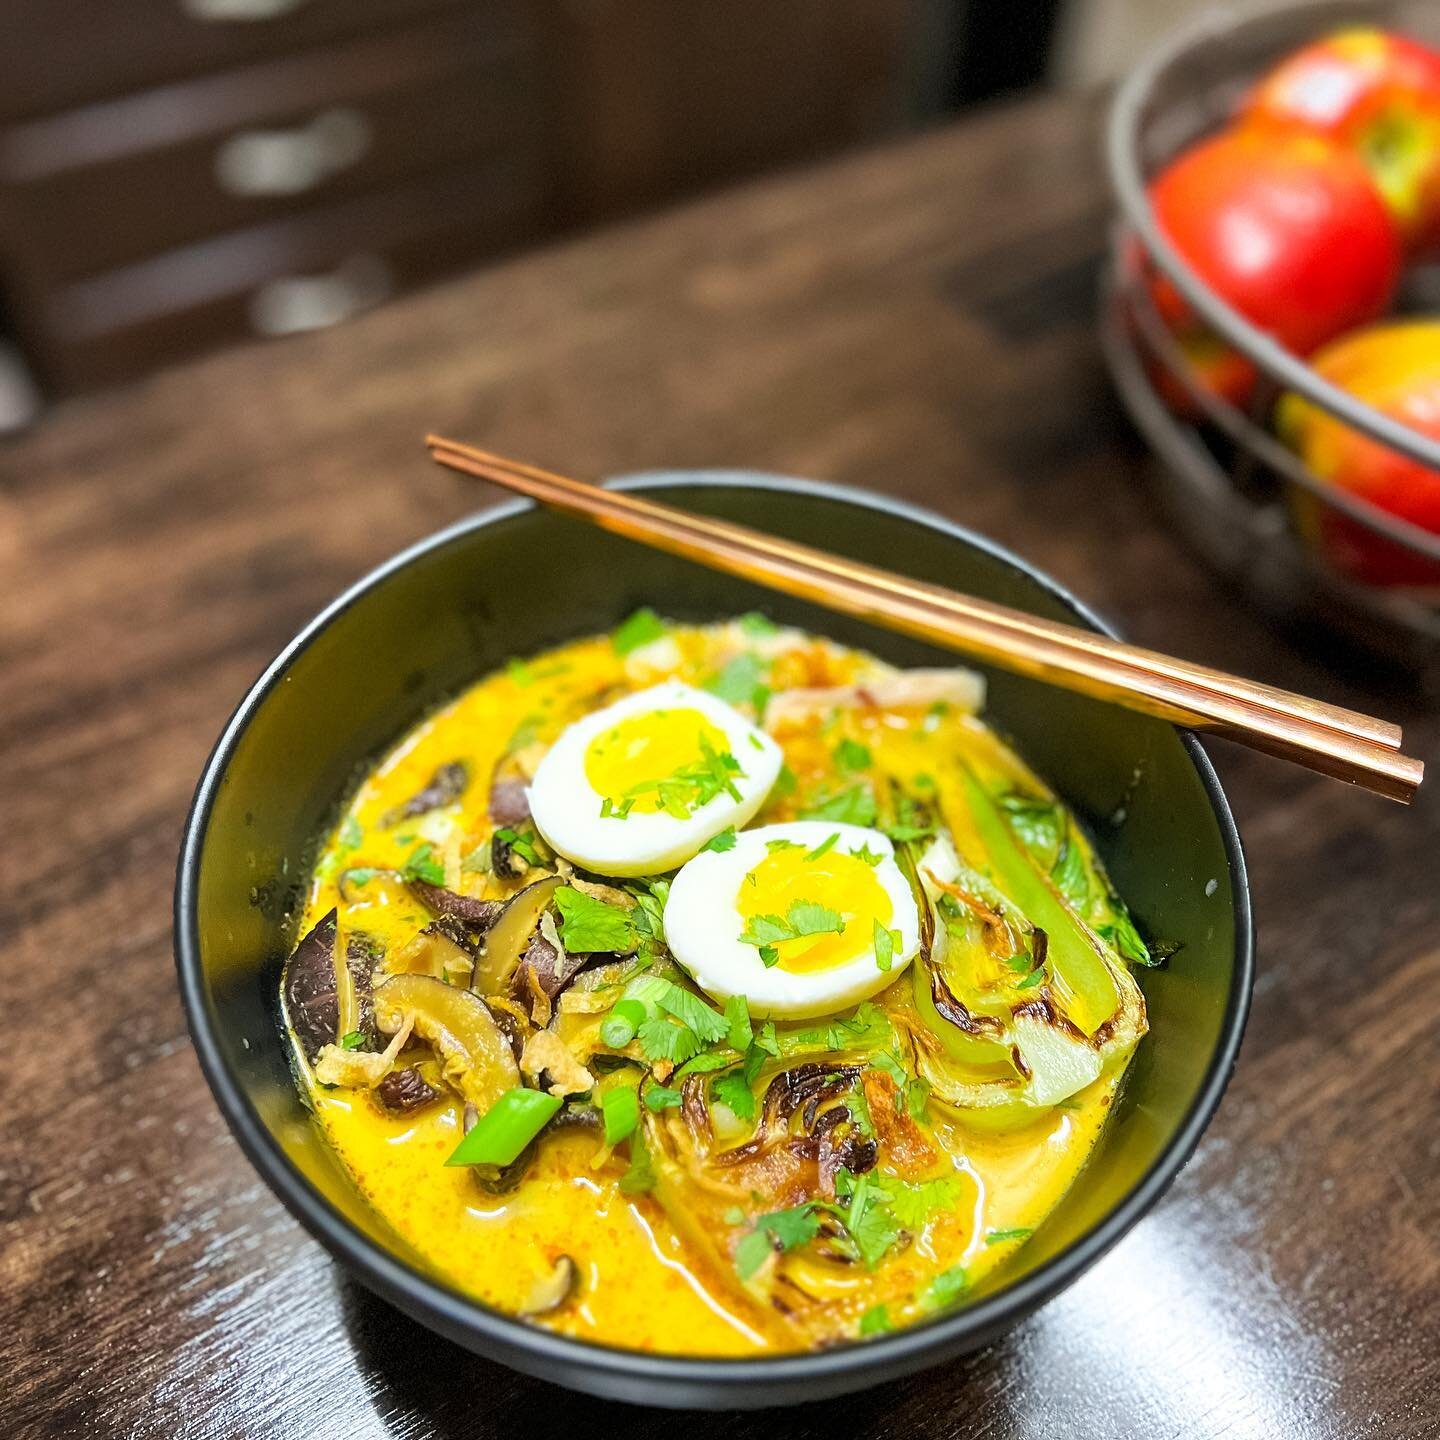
(515, 580)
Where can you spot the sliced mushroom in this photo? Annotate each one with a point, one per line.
(441, 950)
(444, 787)
(478, 915)
(509, 937)
(552, 1291)
(546, 968)
(474, 1054)
(311, 988)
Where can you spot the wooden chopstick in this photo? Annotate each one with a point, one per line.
(1342, 743)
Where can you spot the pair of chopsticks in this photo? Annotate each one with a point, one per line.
(1341, 743)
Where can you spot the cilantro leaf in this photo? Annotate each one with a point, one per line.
(758, 626)
(730, 1089)
(423, 864)
(640, 629)
(662, 1039)
(875, 1321)
(780, 1230)
(945, 1289)
(589, 925)
(741, 680)
(824, 847)
(722, 842)
(769, 956)
(1037, 824)
(887, 942)
(808, 918)
(354, 1040)
(852, 755)
(917, 1202)
(662, 1097)
(737, 1017)
(855, 806)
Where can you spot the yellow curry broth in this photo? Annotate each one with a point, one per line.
(645, 1286)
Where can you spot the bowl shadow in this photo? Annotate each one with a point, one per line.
(424, 1386)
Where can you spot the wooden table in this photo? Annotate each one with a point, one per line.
(919, 320)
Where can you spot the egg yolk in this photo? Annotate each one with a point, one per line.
(643, 760)
(835, 880)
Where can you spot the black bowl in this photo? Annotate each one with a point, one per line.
(514, 580)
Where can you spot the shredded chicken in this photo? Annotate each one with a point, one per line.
(905, 688)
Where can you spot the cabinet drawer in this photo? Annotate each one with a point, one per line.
(330, 124)
(60, 53)
(301, 273)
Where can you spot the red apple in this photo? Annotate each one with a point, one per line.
(1394, 367)
(1288, 228)
(1379, 95)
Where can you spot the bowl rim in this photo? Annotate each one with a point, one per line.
(419, 1294)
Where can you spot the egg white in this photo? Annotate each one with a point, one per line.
(703, 926)
(566, 807)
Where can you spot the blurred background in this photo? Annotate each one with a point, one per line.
(177, 175)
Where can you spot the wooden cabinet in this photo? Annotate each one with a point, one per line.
(177, 173)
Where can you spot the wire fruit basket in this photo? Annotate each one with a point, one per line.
(1244, 500)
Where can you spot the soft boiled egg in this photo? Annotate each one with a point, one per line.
(640, 786)
(802, 919)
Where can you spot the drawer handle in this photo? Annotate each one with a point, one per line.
(289, 162)
(222, 11)
(312, 302)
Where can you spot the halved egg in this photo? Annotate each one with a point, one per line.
(803, 919)
(640, 786)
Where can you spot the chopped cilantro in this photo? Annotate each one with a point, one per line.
(917, 1097)
(662, 1039)
(999, 1237)
(855, 806)
(686, 790)
(360, 876)
(742, 680)
(804, 917)
(353, 1040)
(869, 856)
(351, 834)
(758, 626)
(868, 1218)
(589, 925)
(775, 846)
(737, 1017)
(852, 755)
(1031, 980)
(522, 845)
(778, 1231)
(824, 847)
(769, 956)
(945, 1289)
(722, 842)
(875, 1321)
(661, 1097)
(640, 629)
(916, 1202)
(887, 942)
(889, 1063)
(520, 672)
(423, 864)
(690, 1010)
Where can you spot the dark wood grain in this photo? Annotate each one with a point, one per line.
(917, 320)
